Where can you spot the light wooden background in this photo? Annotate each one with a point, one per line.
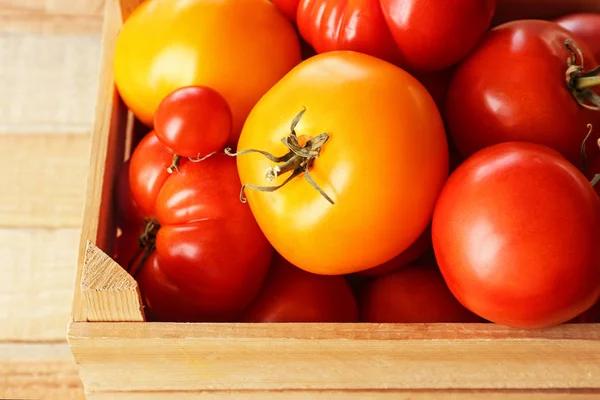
(49, 60)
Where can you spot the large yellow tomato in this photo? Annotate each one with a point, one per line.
(238, 47)
(383, 165)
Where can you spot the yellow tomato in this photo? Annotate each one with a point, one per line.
(238, 47)
(383, 165)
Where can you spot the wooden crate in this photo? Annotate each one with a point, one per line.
(121, 356)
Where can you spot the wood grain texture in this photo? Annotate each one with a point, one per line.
(107, 290)
(38, 273)
(112, 124)
(46, 176)
(48, 82)
(204, 357)
(38, 371)
(351, 395)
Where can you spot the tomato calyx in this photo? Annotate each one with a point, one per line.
(298, 160)
(147, 244)
(581, 82)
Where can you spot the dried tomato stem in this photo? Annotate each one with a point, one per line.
(583, 152)
(174, 164)
(581, 82)
(587, 82)
(147, 242)
(297, 160)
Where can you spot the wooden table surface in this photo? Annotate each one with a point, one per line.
(49, 61)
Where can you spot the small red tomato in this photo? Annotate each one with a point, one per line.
(516, 232)
(586, 26)
(294, 295)
(512, 88)
(433, 35)
(289, 8)
(408, 256)
(329, 25)
(417, 294)
(193, 121)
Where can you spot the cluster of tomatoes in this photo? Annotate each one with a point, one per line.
(377, 161)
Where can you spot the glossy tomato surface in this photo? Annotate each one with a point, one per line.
(586, 26)
(417, 294)
(516, 232)
(128, 210)
(512, 88)
(383, 165)
(228, 45)
(433, 35)
(293, 295)
(359, 25)
(193, 121)
(211, 257)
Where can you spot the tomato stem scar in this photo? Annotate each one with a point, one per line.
(298, 160)
(581, 82)
(174, 164)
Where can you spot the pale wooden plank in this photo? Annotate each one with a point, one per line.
(38, 371)
(108, 291)
(37, 267)
(350, 395)
(203, 357)
(41, 22)
(48, 83)
(43, 180)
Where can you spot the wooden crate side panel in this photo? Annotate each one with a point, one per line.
(204, 357)
(112, 126)
(352, 395)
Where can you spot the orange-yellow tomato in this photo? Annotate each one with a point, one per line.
(238, 47)
(383, 165)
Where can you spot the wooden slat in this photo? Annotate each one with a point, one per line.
(43, 180)
(48, 82)
(351, 395)
(37, 267)
(201, 357)
(38, 371)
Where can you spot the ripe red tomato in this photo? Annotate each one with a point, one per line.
(127, 209)
(586, 26)
(512, 88)
(417, 294)
(127, 245)
(211, 257)
(289, 8)
(408, 256)
(193, 121)
(433, 35)
(329, 25)
(294, 295)
(516, 232)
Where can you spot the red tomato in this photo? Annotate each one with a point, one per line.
(193, 121)
(289, 8)
(294, 295)
(512, 88)
(516, 232)
(417, 294)
(433, 35)
(127, 245)
(589, 316)
(211, 257)
(408, 256)
(329, 25)
(127, 208)
(586, 26)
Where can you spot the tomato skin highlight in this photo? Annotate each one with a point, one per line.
(434, 35)
(416, 294)
(395, 202)
(330, 25)
(193, 121)
(586, 26)
(293, 295)
(168, 44)
(515, 233)
(512, 88)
